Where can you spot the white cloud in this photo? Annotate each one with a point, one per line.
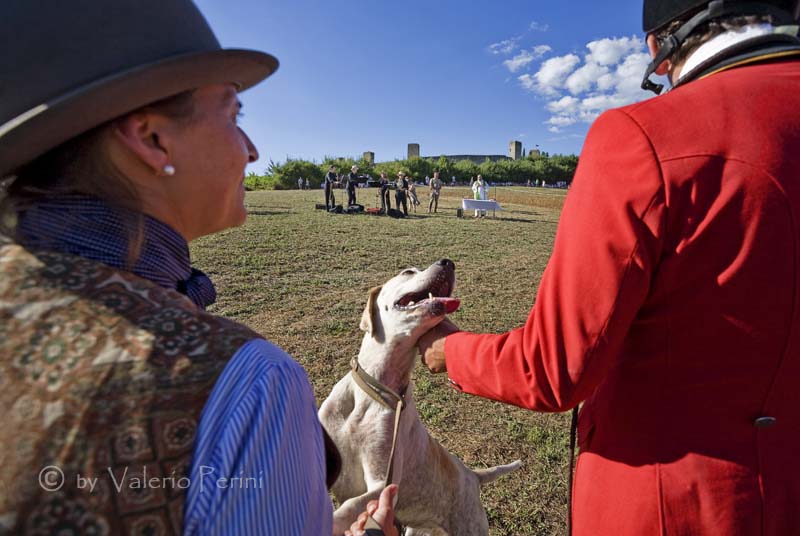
(504, 47)
(551, 75)
(565, 105)
(605, 82)
(561, 121)
(577, 90)
(610, 51)
(539, 27)
(525, 57)
(527, 82)
(585, 77)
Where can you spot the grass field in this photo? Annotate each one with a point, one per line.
(300, 277)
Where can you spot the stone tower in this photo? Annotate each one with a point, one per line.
(413, 150)
(515, 150)
(369, 156)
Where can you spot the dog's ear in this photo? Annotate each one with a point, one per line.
(370, 320)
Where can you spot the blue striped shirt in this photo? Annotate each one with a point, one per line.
(259, 426)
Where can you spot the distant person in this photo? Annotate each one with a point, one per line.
(330, 180)
(427, 180)
(400, 193)
(386, 203)
(436, 188)
(412, 194)
(350, 184)
(480, 192)
(307, 184)
(300, 183)
(453, 180)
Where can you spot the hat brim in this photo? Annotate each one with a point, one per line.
(52, 123)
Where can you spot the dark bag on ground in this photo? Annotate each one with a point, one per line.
(336, 210)
(355, 209)
(394, 213)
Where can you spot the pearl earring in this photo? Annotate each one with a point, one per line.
(169, 170)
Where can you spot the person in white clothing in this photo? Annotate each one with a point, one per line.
(480, 191)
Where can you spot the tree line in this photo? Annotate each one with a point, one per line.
(541, 167)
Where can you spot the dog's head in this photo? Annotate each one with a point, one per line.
(411, 303)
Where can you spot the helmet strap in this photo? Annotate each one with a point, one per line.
(716, 9)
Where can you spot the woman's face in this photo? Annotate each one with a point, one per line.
(210, 157)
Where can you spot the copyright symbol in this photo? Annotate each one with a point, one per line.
(51, 478)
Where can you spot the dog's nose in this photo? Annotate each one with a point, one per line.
(447, 263)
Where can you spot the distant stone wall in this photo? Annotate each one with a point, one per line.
(369, 156)
(477, 158)
(413, 150)
(515, 150)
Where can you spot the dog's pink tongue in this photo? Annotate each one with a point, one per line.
(450, 304)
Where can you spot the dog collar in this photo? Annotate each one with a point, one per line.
(386, 396)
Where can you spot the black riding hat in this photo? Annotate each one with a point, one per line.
(659, 13)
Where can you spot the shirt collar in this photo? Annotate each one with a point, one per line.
(88, 227)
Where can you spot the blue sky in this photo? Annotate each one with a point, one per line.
(455, 77)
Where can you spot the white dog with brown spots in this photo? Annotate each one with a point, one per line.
(437, 491)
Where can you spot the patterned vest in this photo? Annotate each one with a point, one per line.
(103, 377)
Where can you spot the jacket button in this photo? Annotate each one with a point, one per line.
(765, 422)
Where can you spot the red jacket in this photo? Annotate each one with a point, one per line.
(671, 306)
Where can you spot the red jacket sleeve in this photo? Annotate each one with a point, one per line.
(606, 249)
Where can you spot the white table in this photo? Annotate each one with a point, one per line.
(478, 204)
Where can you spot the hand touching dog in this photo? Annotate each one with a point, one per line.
(431, 345)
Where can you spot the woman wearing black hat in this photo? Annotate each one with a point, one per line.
(119, 144)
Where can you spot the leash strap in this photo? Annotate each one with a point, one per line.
(390, 469)
(372, 527)
(381, 393)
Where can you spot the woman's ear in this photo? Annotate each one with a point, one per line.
(652, 45)
(136, 132)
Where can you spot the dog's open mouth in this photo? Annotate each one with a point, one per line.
(437, 295)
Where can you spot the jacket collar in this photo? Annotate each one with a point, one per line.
(750, 44)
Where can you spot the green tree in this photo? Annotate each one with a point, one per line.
(542, 167)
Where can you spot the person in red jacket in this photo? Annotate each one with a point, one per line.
(670, 307)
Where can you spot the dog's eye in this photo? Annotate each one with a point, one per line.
(408, 272)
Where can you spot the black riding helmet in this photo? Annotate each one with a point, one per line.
(658, 13)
